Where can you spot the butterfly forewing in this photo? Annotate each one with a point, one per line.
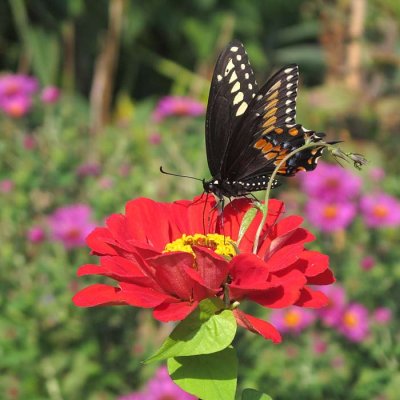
(249, 132)
(233, 87)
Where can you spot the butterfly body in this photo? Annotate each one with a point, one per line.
(251, 130)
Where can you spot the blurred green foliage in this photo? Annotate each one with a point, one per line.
(49, 349)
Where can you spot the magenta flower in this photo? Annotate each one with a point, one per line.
(354, 322)
(6, 186)
(382, 315)
(35, 234)
(71, 224)
(177, 105)
(331, 182)
(330, 216)
(16, 106)
(380, 210)
(291, 319)
(160, 387)
(15, 84)
(376, 174)
(50, 94)
(332, 313)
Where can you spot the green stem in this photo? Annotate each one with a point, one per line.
(269, 187)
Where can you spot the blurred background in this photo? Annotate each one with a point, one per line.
(95, 96)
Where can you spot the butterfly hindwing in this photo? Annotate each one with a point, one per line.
(233, 86)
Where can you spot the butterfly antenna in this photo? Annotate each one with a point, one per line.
(180, 176)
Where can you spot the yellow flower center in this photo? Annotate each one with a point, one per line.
(222, 245)
(380, 211)
(292, 318)
(350, 319)
(330, 211)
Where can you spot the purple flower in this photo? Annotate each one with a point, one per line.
(88, 169)
(16, 106)
(50, 94)
(332, 313)
(330, 216)
(380, 210)
(177, 105)
(71, 224)
(354, 322)
(291, 319)
(35, 234)
(382, 315)
(6, 186)
(331, 182)
(160, 387)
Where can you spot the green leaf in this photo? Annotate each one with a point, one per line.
(206, 330)
(209, 377)
(252, 394)
(248, 219)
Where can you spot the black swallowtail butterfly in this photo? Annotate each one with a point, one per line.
(249, 130)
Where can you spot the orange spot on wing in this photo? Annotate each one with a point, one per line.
(267, 148)
(293, 132)
(301, 169)
(270, 155)
(260, 144)
(279, 131)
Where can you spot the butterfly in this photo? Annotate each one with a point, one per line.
(249, 130)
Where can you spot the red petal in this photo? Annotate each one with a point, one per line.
(171, 274)
(325, 278)
(146, 297)
(315, 262)
(167, 312)
(97, 241)
(141, 223)
(284, 257)
(98, 295)
(257, 325)
(312, 299)
(248, 272)
(211, 267)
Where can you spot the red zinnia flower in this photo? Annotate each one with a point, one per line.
(162, 259)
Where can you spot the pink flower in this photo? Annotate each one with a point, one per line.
(50, 94)
(330, 216)
(71, 224)
(382, 315)
(35, 234)
(331, 182)
(29, 142)
(291, 319)
(332, 313)
(160, 387)
(377, 174)
(88, 169)
(177, 105)
(368, 263)
(380, 210)
(6, 186)
(16, 106)
(354, 322)
(155, 139)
